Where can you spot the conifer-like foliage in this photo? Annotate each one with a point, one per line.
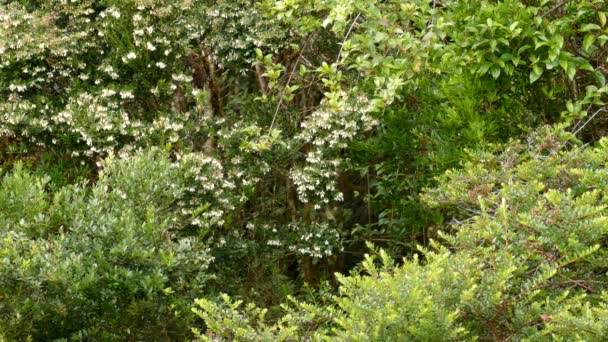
(303, 170)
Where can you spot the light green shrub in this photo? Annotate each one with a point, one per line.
(122, 258)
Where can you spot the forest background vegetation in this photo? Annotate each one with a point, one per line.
(282, 170)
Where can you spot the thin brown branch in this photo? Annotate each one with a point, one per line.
(350, 29)
(293, 70)
(555, 8)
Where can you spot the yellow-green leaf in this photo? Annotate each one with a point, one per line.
(602, 17)
(535, 74)
(588, 42)
(571, 71)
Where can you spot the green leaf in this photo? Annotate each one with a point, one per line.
(602, 17)
(535, 74)
(541, 44)
(483, 69)
(590, 27)
(599, 77)
(495, 72)
(564, 64)
(522, 49)
(506, 57)
(570, 106)
(584, 65)
(559, 40)
(571, 70)
(588, 42)
(493, 44)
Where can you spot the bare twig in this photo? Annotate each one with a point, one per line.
(293, 70)
(352, 25)
(603, 109)
(561, 4)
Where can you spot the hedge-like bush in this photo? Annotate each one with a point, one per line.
(123, 258)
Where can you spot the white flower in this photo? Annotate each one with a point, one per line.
(121, 194)
(124, 94)
(130, 56)
(114, 12)
(107, 92)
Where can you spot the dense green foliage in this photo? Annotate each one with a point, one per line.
(525, 261)
(287, 170)
(95, 260)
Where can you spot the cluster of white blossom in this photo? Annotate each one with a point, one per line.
(18, 113)
(98, 121)
(210, 191)
(232, 30)
(330, 128)
(317, 239)
(24, 35)
(338, 121)
(315, 180)
(68, 78)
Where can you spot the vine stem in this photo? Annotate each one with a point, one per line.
(350, 29)
(293, 70)
(555, 8)
(603, 109)
(352, 25)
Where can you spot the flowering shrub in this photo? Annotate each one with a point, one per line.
(79, 76)
(91, 79)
